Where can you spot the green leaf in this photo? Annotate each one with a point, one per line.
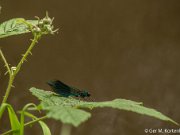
(15, 125)
(15, 26)
(58, 106)
(67, 115)
(45, 128)
(128, 105)
(60, 110)
(2, 109)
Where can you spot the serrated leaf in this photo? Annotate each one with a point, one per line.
(63, 112)
(128, 105)
(67, 115)
(15, 26)
(50, 99)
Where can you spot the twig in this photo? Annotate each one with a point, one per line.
(11, 78)
(5, 62)
(13, 73)
(34, 41)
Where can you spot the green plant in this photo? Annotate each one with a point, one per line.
(67, 110)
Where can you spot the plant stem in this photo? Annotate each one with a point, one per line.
(5, 62)
(13, 73)
(66, 129)
(34, 41)
(36, 120)
(26, 124)
(10, 85)
(11, 78)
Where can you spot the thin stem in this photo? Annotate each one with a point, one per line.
(34, 41)
(26, 124)
(5, 62)
(36, 120)
(11, 78)
(12, 74)
(66, 129)
(10, 85)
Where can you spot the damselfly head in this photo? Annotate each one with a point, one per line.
(84, 94)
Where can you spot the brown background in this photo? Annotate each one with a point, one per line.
(114, 48)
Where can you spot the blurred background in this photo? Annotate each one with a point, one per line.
(115, 49)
